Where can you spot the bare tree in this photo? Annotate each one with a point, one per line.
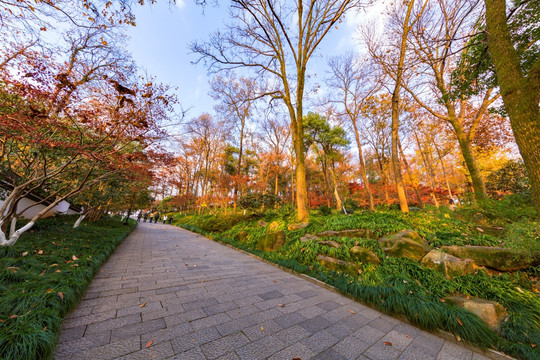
(276, 39)
(350, 80)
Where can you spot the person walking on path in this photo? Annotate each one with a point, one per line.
(164, 219)
(156, 217)
(145, 216)
(139, 216)
(170, 219)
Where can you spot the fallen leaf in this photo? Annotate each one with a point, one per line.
(148, 344)
(533, 345)
(54, 265)
(519, 289)
(40, 252)
(387, 343)
(49, 291)
(13, 316)
(408, 337)
(281, 305)
(458, 338)
(296, 358)
(142, 305)
(61, 295)
(262, 328)
(459, 321)
(57, 271)
(479, 229)
(275, 281)
(25, 253)
(352, 311)
(74, 258)
(74, 265)
(442, 300)
(43, 273)
(45, 328)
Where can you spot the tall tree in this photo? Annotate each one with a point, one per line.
(348, 77)
(277, 39)
(236, 96)
(519, 79)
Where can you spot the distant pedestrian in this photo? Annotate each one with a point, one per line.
(151, 216)
(164, 219)
(156, 217)
(145, 216)
(170, 219)
(139, 216)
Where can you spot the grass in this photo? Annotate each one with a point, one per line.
(44, 276)
(403, 287)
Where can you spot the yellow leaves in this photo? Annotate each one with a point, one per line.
(519, 289)
(142, 305)
(387, 343)
(48, 291)
(25, 253)
(352, 311)
(262, 328)
(459, 321)
(74, 258)
(479, 229)
(148, 344)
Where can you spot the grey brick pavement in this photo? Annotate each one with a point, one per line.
(203, 300)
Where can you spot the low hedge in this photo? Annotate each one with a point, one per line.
(44, 276)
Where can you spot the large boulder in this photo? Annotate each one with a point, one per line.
(491, 312)
(405, 244)
(262, 223)
(298, 226)
(338, 265)
(448, 264)
(271, 241)
(497, 258)
(352, 233)
(308, 237)
(364, 255)
(330, 243)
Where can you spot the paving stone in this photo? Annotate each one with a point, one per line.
(329, 354)
(292, 335)
(192, 354)
(113, 323)
(289, 320)
(351, 347)
(194, 339)
(315, 324)
(270, 295)
(66, 349)
(451, 351)
(158, 352)
(261, 349)
(381, 351)
(261, 330)
(111, 351)
(210, 321)
(296, 350)
(329, 305)
(168, 333)
(319, 341)
(223, 345)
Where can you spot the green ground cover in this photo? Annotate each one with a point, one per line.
(403, 287)
(44, 275)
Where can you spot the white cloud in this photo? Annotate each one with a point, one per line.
(180, 4)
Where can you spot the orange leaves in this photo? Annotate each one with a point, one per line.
(61, 295)
(387, 343)
(148, 344)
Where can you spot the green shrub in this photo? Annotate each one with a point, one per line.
(324, 210)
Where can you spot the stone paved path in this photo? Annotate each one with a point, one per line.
(207, 301)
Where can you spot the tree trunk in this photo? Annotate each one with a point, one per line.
(409, 172)
(395, 114)
(477, 180)
(301, 189)
(339, 204)
(79, 220)
(520, 93)
(429, 170)
(363, 171)
(239, 171)
(439, 155)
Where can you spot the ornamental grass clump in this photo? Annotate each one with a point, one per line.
(44, 275)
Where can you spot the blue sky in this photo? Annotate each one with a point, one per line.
(159, 44)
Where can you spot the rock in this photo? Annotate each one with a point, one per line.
(352, 233)
(497, 258)
(491, 312)
(497, 232)
(271, 241)
(273, 226)
(308, 237)
(242, 236)
(262, 223)
(364, 255)
(447, 264)
(338, 265)
(330, 243)
(299, 226)
(405, 244)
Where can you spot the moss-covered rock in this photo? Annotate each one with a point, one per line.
(262, 223)
(352, 233)
(497, 258)
(491, 312)
(364, 255)
(405, 244)
(330, 243)
(273, 226)
(448, 264)
(271, 241)
(337, 264)
(299, 226)
(308, 237)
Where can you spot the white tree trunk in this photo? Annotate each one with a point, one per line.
(79, 220)
(15, 236)
(13, 226)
